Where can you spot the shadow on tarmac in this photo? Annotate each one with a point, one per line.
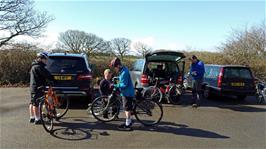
(79, 129)
(82, 130)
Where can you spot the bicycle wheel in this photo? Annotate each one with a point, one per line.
(153, 93)
(260, 98)
(62, 107)
(103, 111)
(46, 117)
(174, 95)
(148, 112)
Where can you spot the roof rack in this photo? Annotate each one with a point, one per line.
(67, 52)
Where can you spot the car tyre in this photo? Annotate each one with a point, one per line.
(207, 93)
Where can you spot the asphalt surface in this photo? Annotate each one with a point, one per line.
(219, 123)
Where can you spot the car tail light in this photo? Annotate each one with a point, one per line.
(220, 77)
(84, 77)
(144, 80)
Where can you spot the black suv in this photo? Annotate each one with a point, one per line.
(230, 80)
(72, 73)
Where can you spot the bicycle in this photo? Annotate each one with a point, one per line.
(164, 89)
(261, 92)
(52, 107)
(146, 111)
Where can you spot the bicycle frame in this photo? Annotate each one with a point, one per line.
(117, 98)
(261, 92)
(51, 100)
(139, 107)
(165, 87)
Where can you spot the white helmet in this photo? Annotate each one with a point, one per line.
(43, 55)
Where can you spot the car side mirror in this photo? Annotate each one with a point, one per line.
(92, 66)
(131, 68)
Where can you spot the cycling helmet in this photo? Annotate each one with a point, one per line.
(115, 62)
(42, 55)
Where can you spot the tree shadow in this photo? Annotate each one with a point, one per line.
(79, 129)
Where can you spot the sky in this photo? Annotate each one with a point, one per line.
(176, 25)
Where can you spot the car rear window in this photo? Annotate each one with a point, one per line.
(66, 65)
(212, 71)
(243, 73)
(169, 67)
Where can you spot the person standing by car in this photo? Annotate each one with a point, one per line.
(197, 71)
(127, 91)
(38, 76)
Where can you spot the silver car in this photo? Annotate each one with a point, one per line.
(158, 64)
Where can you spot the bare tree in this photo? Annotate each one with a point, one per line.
(18, 17)
(247, 47)
(243, 46)
(142, 48)
(80, 41)
(74, 40)
(120, 46)
(96, 44)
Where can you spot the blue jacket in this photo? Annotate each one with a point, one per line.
(125, 83)
(199, 68)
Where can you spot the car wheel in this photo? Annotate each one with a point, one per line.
(207, 93)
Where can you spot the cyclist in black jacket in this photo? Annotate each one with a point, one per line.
(38, 77)
(106, 87)
(106, 84)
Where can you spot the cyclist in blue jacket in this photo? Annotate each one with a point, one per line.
(127, 91)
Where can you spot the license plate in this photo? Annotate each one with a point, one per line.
(62, 77)
(237, 84)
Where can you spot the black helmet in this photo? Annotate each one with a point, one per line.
(115, 62)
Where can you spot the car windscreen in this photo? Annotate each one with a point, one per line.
(242, 73)
(66, 65)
